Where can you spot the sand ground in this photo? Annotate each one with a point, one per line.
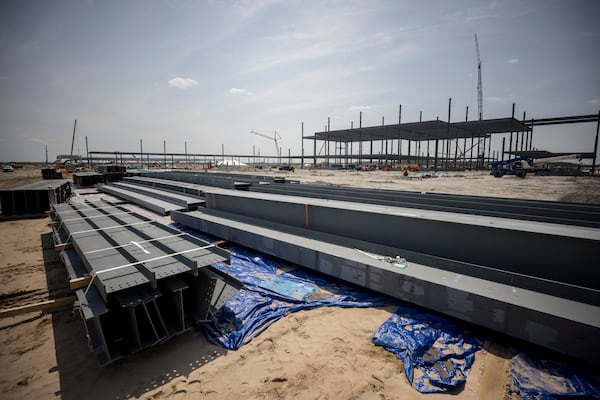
(324, 353)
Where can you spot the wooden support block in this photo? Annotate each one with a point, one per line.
(54, 223)
(80, 282)
(219, 243)
(63, 246)
(48, 306)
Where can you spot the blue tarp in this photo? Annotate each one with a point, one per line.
(537, 378)
(435, 351)
(270, 294)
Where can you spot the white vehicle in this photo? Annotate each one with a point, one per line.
(7, 168)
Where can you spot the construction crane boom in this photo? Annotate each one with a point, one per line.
(479, 85)
(73, 140)
(275, 138)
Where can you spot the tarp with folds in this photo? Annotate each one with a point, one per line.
(435, 344)
(435, 351)
(270, 293)
(535, 377)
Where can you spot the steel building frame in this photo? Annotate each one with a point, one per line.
(438, 131)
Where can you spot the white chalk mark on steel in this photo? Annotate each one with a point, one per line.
(139, 246)
(129, 244)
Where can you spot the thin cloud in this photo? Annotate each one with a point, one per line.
(239, 91)
(359, 108)
(182, 83)
(595, 101)
(297, 54)
(513, 61)
(246, 9)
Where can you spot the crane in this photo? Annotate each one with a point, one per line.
(276, 138)
(479, 86)
(73, 140)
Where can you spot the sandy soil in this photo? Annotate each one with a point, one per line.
(324, 353)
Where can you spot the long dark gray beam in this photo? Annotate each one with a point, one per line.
(576, 119)
(559, 253)
(234, 176)
(166, 184)
(199, 178)
(557, 323)
(186, 201)
(158, 206)
(532, 210)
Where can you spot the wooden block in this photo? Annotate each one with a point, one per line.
(48, 306)
(63, 246)
(80, 282)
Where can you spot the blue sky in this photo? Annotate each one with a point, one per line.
(209, 72)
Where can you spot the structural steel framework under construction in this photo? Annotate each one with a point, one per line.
(433, 144)
(440, 133)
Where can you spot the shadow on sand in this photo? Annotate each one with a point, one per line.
(132, 376)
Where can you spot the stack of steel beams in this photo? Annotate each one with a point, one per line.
(145, 281)
(87, 179)
(531, 210)
(159, 200)
(51, 173)
(533, 280)
(170, 185)
(225, 181)
(34, 198)
(112, 173)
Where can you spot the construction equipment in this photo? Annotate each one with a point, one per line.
(515, 166)
(71, 164)
(546, 161)
(479, 84)
(520, 166)
(406, 168)
(275, 138)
